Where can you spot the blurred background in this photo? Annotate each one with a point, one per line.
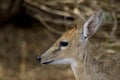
(29, 27)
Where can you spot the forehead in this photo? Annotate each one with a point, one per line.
(68, 36)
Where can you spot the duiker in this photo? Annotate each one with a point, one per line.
(73, 48)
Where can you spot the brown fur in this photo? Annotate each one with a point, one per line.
(79, 55)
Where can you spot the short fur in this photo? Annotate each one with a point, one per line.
(78, 53)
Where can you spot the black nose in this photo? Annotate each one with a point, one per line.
(39, 59)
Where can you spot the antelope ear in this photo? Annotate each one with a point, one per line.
(92, 24)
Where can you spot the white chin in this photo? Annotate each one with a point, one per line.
(65, 61)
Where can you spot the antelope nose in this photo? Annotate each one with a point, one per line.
(39, 59)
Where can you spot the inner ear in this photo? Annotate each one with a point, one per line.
(91, 27)
(92, 24)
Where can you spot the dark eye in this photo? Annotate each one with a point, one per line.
(63, 44)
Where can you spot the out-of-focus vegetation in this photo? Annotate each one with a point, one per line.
(30, 27)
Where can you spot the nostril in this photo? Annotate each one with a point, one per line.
(39, 58)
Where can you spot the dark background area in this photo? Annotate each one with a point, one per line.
(29, 27)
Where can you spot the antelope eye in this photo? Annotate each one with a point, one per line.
(63, 44)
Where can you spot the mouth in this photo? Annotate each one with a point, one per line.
(48, 62)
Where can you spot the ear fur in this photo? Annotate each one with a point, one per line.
(92, 24)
